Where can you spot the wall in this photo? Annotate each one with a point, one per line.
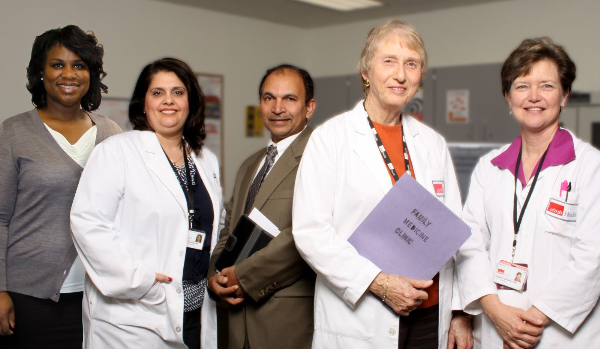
(136, 32)
(476, 34)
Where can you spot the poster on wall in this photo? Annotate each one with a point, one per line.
(212, 87)
(457, 106)
(414, 108)
(116, 109)
(254, 124)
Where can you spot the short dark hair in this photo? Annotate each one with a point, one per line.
(534, 50)
(193, 129)
(83, 44)
(309, 86)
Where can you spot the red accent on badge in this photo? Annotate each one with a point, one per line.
(438, 188)
(556, 208)
(500, 271)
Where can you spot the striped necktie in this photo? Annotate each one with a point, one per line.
(260, 177)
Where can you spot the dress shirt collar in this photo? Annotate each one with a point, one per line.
(283, 144)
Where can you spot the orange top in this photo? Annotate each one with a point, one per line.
(391, 137)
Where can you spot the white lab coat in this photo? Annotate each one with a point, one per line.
(563, 257)
(341, 179)
(129, 220)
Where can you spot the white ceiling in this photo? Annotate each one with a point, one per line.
(303, 15)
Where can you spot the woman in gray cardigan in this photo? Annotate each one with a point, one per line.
(42, 154)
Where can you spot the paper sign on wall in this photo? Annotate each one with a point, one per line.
(254, 124)
(457, 106)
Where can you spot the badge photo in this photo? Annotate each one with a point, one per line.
(511, 276)
(196, 239)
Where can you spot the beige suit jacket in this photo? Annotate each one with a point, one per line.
(279, 285)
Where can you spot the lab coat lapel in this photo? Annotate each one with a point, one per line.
(418, 152)
(209, 178)
(366, 149)
(157, 162)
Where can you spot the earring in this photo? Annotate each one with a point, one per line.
(367, 84)
(42, 79)
(143, 111)
(510, 112)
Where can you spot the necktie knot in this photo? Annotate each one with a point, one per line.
(272, 152)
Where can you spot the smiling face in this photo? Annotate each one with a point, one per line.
(282, 104)
(394, 74)
(167, 105)
(536, 98)
(66, 77)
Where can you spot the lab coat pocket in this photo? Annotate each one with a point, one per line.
(339, 320)
(147, 312)
(154, 301)
(560, 217)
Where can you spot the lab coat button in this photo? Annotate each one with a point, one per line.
(180, 253)
(392, 331)
(178, 329)
(179, 291)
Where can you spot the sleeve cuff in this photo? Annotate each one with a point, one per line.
(561, 320)
(471, 299)
(362, 281)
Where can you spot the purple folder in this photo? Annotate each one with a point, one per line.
(410, 232)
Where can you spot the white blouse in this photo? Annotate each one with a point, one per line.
(79, 152)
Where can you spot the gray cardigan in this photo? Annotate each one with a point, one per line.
(38, 181)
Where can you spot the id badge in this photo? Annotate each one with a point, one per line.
(562, 210)
(196, 239)
(511, 276)
(438, 188)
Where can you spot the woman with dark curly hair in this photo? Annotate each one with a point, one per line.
(146, 218)
(42, 154)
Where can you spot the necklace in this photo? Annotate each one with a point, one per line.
(176, 161)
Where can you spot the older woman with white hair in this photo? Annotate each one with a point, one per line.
(343, 176)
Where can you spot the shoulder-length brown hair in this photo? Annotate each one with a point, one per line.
(193, 130)
(530, 51)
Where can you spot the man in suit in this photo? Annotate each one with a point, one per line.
(270, 294)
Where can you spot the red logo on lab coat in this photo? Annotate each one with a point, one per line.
(438, 188)
(555, 208)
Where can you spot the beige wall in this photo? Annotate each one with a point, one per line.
(135, 32)
(476, 34)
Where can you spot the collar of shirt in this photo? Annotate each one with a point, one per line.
(560, 152)
(282, 146)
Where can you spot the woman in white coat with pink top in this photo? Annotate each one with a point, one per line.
(533, 207)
